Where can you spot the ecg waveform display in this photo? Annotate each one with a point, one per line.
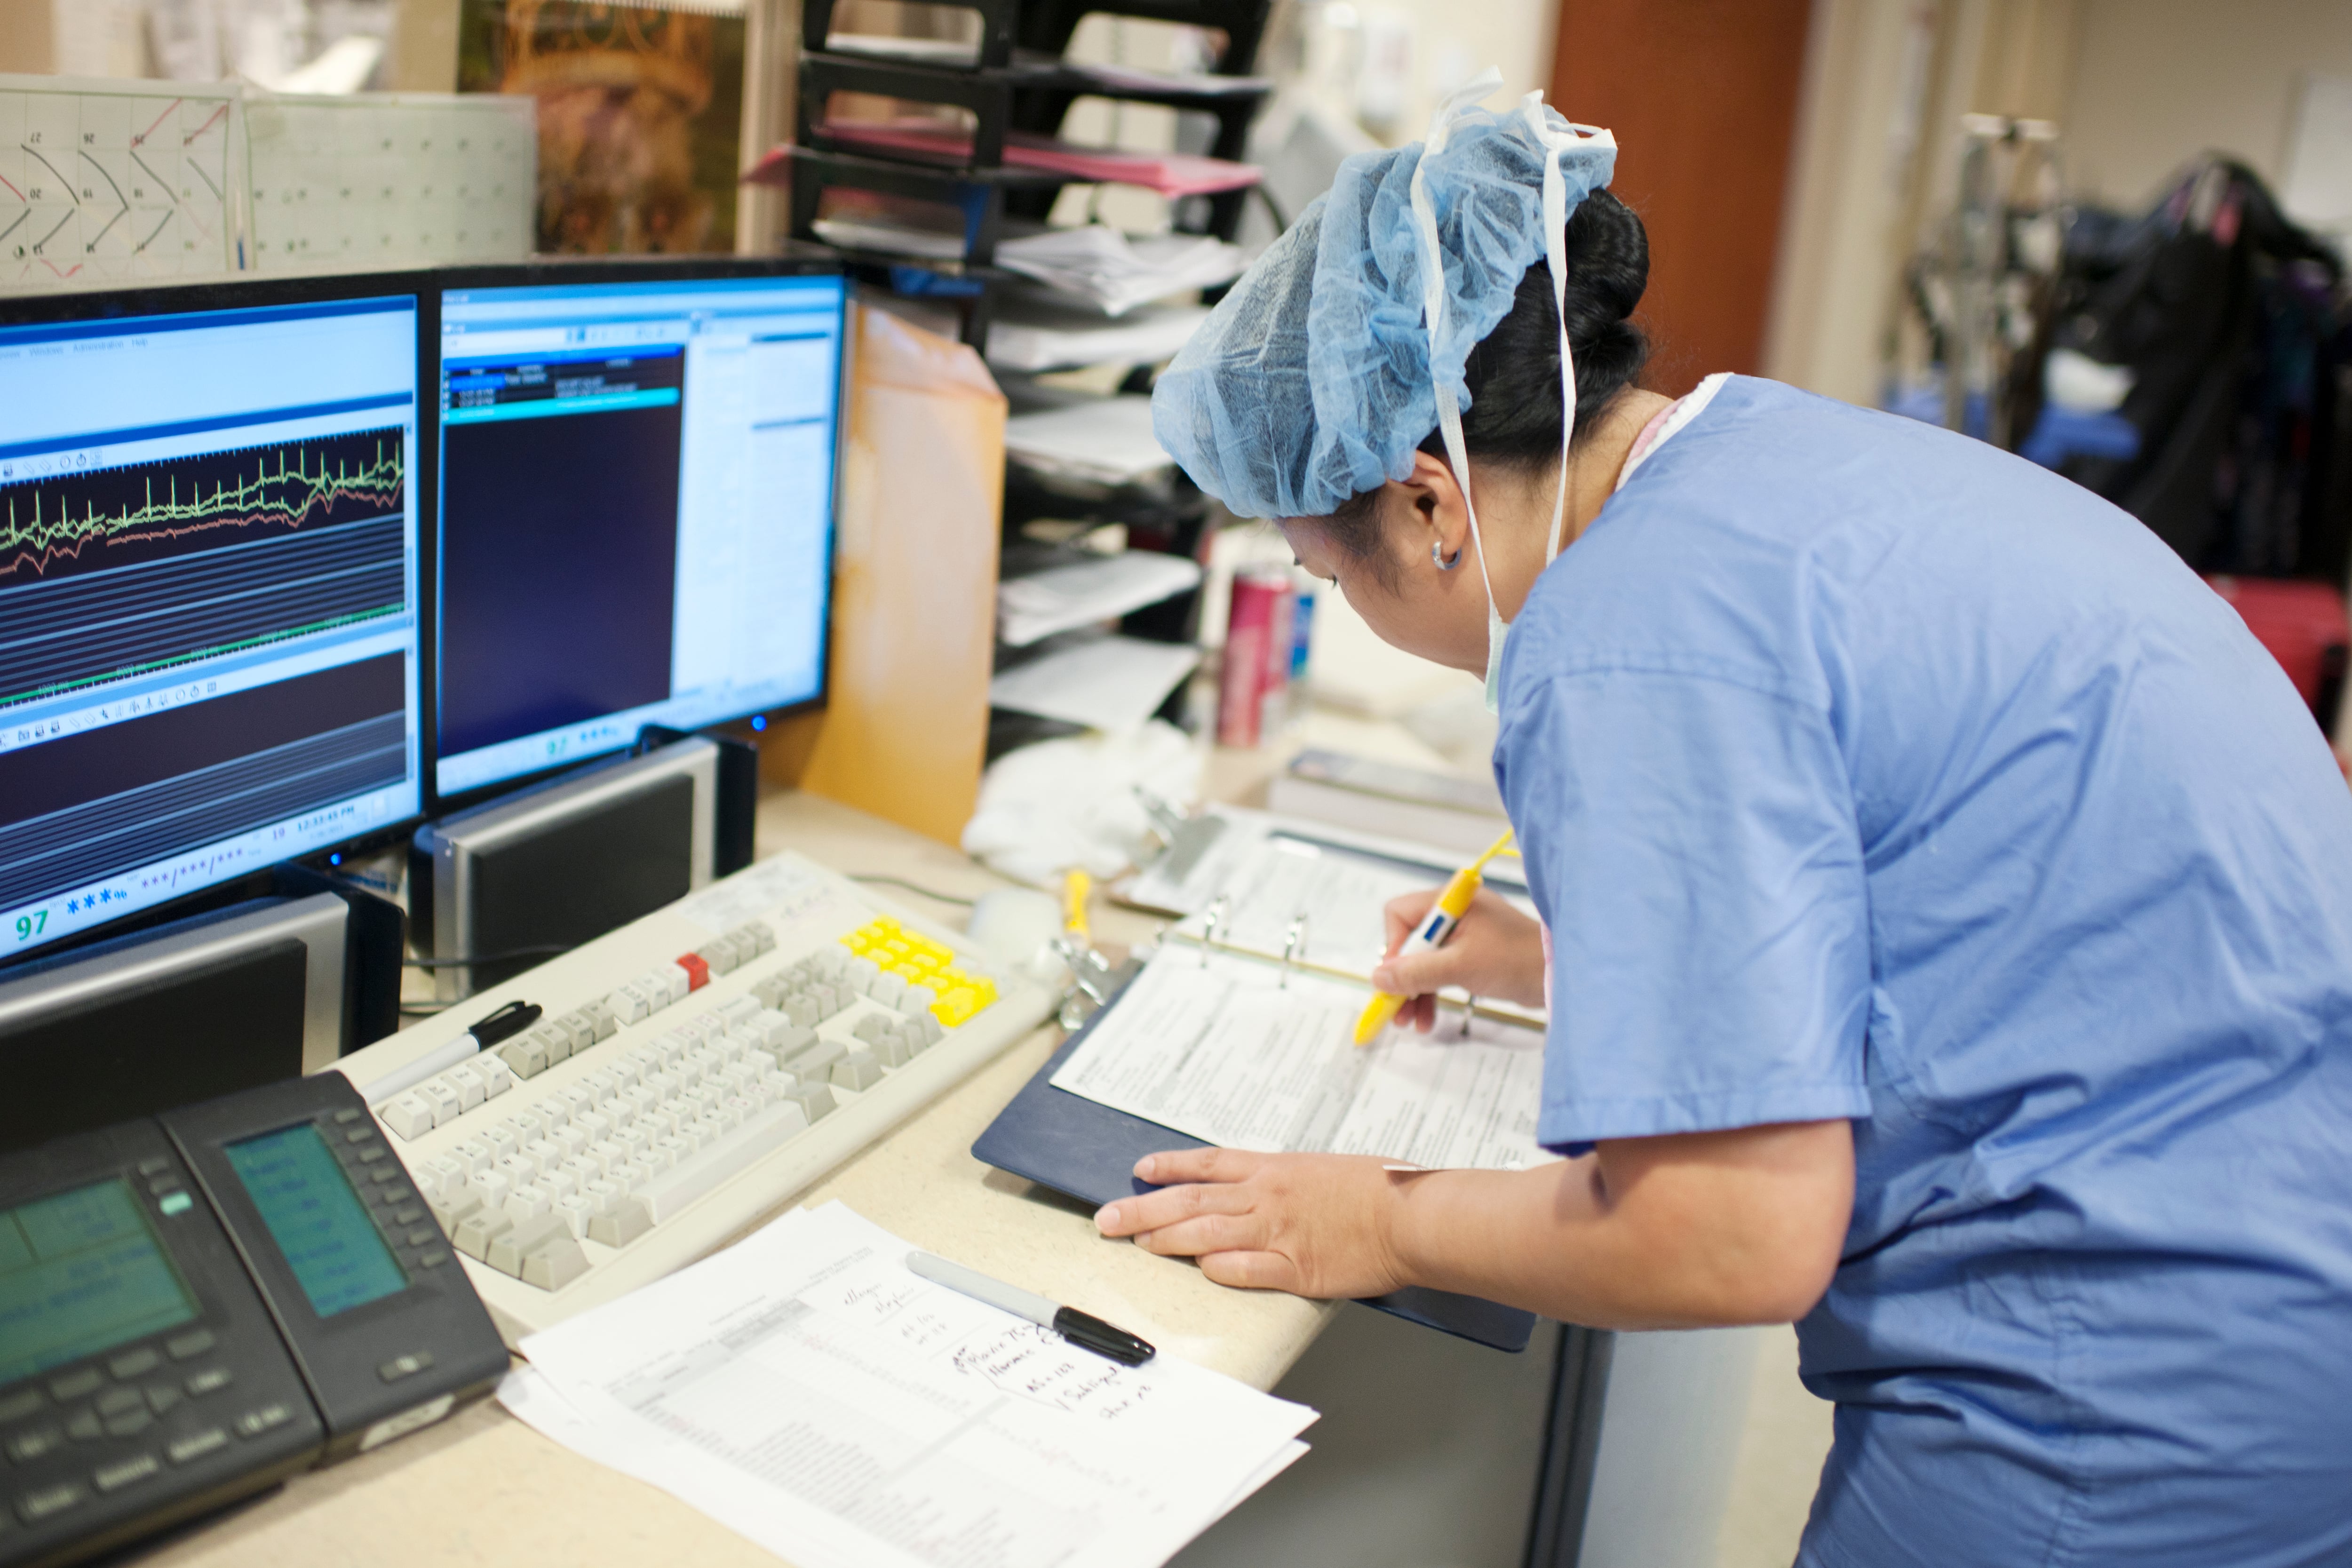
(52, 528)
(219, 554)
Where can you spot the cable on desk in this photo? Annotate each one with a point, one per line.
(541, 951)
(902, 882)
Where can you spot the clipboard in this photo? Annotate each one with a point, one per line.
(1073, 1145)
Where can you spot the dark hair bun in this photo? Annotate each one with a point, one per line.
(1514, 374)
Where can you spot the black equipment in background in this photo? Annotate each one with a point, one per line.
(2235, 325)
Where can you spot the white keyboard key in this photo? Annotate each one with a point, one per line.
(497, 1185)
(558, 1184)
(869, 1028)
(599, 1016)
(441, 1099)
(572, 1140)
(526, 1057)
(542, 1154)
(526, 1204)
(674, 981)
(519, 1170)
(449, 1173)
(859, 1071)
(630, 1175)
(496, 1078)
(818, 1058)
(467, 1082)
(501, 1140)
(475, 1154)
(933, 1031)
(596, 1126)
(654, 1157)
(621, 1112)
(740, 1009)
(740, 1107)
(814, 1098)
(506, 1253)
(892, 1050)
(409, 1115)
(628, 1003)
(633, 1139)
(605, 1197)
(919, 999)
(583, 1032)
(527, 1125)
(673, 1189)
(576, 1099)
(622, 1227)
(429, 1183)
(887, 989)
(575, 1213)
(555, 1042)
(583, 1169)
(860, 973)
(554, 1263)
(606, 1155)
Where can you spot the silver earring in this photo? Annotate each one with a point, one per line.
(1437, 557)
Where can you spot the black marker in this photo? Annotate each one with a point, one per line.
(1086, 1333)
(503, 1024)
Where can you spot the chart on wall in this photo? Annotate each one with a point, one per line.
(390, 179)
(106, 182)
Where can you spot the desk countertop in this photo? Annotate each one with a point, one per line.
(482, 1488)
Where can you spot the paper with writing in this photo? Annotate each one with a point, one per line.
(808, 1391)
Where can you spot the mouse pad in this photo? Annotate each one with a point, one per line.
(1073, 1145)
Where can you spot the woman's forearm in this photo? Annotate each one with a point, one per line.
(1727, 1228)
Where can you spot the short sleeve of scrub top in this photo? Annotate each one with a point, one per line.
(1690, 839)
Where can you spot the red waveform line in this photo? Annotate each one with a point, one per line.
(324, 502)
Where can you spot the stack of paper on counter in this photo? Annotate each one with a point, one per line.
(1103, 440)
(807, 1390)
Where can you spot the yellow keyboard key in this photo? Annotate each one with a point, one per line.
(955, 1008)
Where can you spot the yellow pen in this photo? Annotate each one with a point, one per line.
(1076, 886)
(1443, 916)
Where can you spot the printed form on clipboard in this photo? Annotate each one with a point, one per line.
(1284, 889)
(1251, 1054)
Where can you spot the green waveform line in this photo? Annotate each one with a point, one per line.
(9, 698)
(287, 497)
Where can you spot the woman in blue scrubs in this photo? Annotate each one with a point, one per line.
(1946, 904)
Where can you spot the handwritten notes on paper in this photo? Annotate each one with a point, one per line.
(807, 1390)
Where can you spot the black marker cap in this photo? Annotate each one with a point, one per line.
(1093, 1334)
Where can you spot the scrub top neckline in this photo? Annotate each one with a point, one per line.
(1668, 422)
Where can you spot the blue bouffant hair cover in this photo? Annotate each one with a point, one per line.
(1314, 380)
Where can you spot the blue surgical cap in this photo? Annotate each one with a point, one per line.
(1314, 380)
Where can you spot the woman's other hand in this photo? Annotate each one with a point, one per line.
(1314, 1224)
(1495, 951)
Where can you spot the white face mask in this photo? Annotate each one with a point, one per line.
(1449, 412)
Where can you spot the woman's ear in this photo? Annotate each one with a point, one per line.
(1439, 506)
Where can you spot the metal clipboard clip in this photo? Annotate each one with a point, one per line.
(1213, 925)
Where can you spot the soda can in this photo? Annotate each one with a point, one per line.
(1258, 655)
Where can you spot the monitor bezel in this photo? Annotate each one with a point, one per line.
(68, 306)
(555, 271)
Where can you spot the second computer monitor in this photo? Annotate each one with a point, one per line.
(637, 485)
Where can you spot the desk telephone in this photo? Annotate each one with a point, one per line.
(194, 1306)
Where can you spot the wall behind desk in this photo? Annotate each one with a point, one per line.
(905, 731)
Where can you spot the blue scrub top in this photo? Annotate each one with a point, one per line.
(1864, 771)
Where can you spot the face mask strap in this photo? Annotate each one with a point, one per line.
(1432, 305)
(1556, 143)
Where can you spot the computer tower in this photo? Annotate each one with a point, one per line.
(496, 889)
(264, 988)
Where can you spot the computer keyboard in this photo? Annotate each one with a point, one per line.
(689, 1073)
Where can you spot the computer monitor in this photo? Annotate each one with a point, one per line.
(637, 498)
(208, 590)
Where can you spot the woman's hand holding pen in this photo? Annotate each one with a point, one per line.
(1495, 951)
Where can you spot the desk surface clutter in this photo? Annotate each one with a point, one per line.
(484, 1487)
